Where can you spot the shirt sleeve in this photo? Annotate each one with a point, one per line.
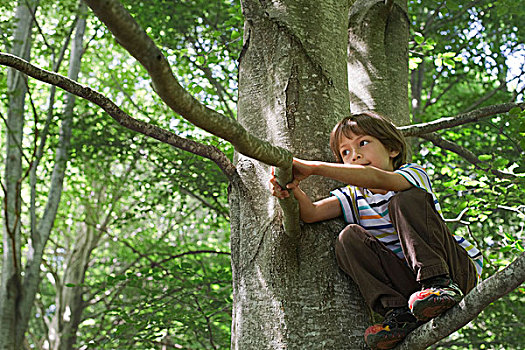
(416, 175)
(346, 198)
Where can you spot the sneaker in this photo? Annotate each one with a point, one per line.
(437, 296)
(397, 324)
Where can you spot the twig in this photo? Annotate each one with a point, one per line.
(458, 218)
(465, 154)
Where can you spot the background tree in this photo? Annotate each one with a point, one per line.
(287, 289)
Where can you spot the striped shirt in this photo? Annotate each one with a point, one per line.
(370, 211)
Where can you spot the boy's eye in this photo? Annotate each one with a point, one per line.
(363, 142)
(345, 152)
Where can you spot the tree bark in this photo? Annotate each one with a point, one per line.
(288, 290)
(10, 286)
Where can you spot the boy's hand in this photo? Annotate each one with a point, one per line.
(301, 170)
(276, 189)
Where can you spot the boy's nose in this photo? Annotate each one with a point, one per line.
(356, 156)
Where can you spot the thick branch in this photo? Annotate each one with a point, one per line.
(135, 40)
(119, 115)
(488, 291)
(460, 119)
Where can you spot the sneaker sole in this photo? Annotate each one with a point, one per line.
(431, 307)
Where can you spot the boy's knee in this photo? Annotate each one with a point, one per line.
(349, 237)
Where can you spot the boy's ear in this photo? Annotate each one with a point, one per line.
(394, 153)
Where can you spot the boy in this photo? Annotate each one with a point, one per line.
(396, 248)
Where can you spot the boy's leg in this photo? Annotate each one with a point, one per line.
(429, 247)
(385, 281)
(440, 264)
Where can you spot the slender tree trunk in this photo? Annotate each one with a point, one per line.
(69, 296)
(69, 292)
(17, 302)
(288, 290)
(10, 286)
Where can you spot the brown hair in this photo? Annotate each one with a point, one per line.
(373, 124)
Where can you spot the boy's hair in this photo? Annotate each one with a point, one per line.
(373, 124)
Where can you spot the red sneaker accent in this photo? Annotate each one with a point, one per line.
(431, 302)
(397, 324)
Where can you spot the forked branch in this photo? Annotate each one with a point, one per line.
(135, 40)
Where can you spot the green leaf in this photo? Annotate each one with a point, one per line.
(449, 62)
(414, 62)
(509, 236)
(485, 157)
(506, 249)
(235, 34)
(419, 38)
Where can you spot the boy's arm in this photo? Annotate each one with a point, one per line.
(324, 209)
(358, 175)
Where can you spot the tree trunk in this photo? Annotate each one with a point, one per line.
(17, 302)
(10, 286)
(288, 290)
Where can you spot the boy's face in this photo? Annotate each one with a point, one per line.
(366, 150)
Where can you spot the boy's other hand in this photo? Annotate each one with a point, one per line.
(276, 189)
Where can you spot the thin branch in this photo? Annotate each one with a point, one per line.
(456, 14)
(208, 323)
(210, 152)
(430, 100)
(191, 252)
(17, 144)
(218, 209)
(460, 119)
(465, 154)
(431, 18)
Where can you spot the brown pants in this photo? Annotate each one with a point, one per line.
(430, 250)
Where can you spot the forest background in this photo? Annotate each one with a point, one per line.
(138, 252)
